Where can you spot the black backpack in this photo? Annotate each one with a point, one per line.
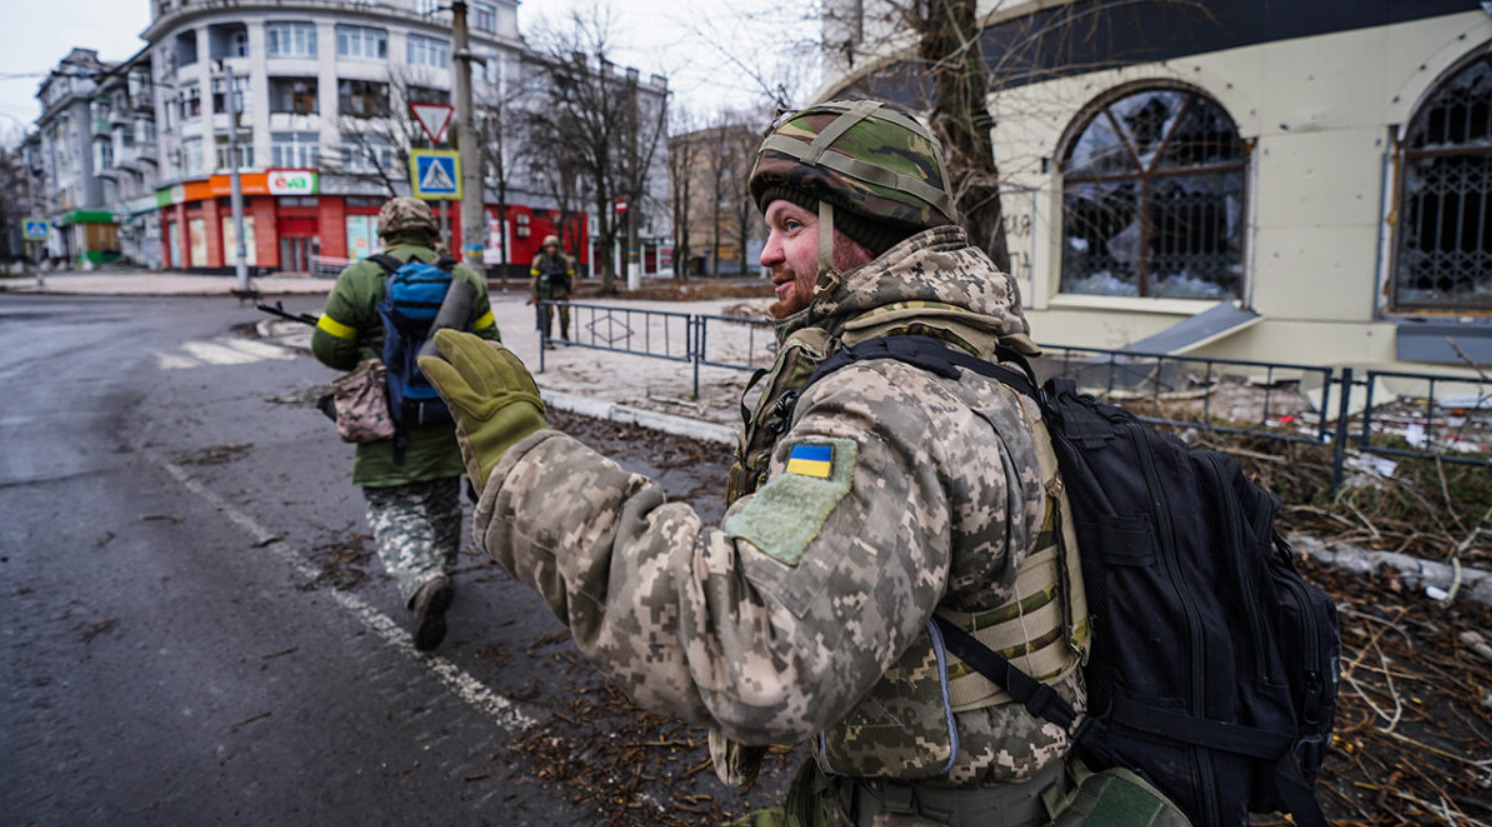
(1213, 670)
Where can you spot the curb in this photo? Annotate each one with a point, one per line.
(616, 412)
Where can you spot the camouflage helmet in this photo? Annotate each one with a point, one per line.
(863, 157)
(406, 216)
(550, 241)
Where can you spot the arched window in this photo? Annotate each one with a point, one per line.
(1153, 198)
(1444, 256)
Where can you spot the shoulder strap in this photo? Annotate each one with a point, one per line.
(391, 263)
(1038, 698)
(387, 262)
(935, 356)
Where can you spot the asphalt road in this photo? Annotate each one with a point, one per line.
(193, 629)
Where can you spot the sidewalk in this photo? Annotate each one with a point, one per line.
(152, 283)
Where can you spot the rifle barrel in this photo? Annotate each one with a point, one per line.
(278, 309)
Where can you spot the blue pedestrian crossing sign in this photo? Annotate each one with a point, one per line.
(34, 229)
(435, 173)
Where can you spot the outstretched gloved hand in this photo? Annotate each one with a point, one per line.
(491, 395)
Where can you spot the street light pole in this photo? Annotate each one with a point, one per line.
(473, 225)
(235, 183)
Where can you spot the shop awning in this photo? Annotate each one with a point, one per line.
(86, 217)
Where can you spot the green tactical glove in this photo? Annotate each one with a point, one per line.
(491, 396)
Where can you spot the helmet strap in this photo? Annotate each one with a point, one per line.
(828, 278)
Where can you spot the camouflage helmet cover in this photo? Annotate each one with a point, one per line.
(860, 156)
(403, 216)
(550, 241)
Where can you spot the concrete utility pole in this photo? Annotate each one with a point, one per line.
(473, 223)
(634, 262)
(235, 183)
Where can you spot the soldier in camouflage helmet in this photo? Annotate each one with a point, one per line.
(413, 490)
(550, 279)
(885, 493)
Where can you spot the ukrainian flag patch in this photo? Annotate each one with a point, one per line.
(785, 516)
(811, 461)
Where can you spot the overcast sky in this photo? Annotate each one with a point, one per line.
(661, 36)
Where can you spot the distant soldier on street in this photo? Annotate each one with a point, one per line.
(882, 493)
(552, 275)
(411, 482)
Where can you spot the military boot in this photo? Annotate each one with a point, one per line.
(430, 605)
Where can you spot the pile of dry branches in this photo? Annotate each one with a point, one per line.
(1429, 508)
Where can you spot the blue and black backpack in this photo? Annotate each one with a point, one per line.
(412, 297)
(1213, 672)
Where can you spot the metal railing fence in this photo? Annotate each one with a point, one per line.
(1167, 381)
(1162, 389)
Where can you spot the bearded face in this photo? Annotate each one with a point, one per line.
(792, 255)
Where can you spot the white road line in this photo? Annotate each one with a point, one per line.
(502, 711)
(173, 361)
(217, 354)
(256, 348)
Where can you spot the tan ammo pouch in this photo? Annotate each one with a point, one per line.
(1115, 797)
(361, 400)
(905, 727)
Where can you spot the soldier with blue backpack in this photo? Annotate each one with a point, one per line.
(386, 307)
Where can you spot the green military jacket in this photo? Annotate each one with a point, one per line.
(350, 330)
(890, 493)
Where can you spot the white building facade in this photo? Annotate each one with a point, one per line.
(322, 88)
(1317, 177)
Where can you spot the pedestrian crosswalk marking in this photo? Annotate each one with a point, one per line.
(260, 349)
(437, 179)
(220, 351)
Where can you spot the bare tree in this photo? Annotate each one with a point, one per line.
(595, 121)
(683, 159)
(721, 168)
(500, 124)
(948, 44)
(743, 143)
(14, 195)
(927, 54)
(377, 132)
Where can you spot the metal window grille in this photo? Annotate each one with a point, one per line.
(1444, 251)
(1153, 198)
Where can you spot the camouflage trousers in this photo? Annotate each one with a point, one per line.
(418, 530)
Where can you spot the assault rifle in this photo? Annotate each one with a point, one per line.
(278, 309)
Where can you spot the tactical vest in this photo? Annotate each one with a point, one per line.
(554, 275)
(906, 727)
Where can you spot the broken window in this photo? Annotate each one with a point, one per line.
(1444, 257)
(1153, 199)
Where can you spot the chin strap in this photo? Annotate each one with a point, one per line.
(828, 277)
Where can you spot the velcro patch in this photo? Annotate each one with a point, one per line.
(790, 510)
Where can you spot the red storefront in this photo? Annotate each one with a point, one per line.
(289, 226)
